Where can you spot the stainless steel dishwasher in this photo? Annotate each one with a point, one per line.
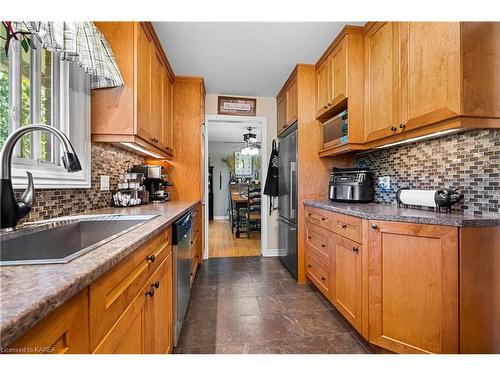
(181, 233)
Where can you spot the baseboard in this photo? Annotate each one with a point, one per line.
(271, 253)
(221, 217)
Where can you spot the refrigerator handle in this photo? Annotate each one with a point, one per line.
(292, 181)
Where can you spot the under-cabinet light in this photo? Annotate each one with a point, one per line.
(141, 149)
(434, 135)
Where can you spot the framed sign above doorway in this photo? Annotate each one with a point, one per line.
(228, 105)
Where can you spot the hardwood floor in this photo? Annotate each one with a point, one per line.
(223, 243)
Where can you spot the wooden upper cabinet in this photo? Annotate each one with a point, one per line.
(322, 87)
(339, 87)
(167, 130)
(337, 63)
(430, 74)
(291, 103)
(418, 74)
(281, 112)
(382, 91)
(287, 103)
(413, 287)
(136, 112)
(144, 90)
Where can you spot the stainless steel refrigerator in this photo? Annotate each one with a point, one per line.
(287, 199)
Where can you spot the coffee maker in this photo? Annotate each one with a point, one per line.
(154, 181)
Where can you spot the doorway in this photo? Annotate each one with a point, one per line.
(232, 176)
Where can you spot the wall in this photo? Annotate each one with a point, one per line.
(266, 107)
(468, 161)
(106, 160)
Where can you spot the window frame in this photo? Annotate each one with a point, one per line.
(70, 97)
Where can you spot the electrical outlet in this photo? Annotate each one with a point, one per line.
(384, 182)
(104, 183)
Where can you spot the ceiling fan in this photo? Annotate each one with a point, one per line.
(250, 144)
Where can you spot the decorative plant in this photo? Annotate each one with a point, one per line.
(22, 36)
(230, 161)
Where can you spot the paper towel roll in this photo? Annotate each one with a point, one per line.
(417, 197)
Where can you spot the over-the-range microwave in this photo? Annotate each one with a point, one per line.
(335, 130)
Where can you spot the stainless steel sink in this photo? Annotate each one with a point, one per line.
(62, 240)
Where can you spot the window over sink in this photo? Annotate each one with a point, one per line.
(36, 86)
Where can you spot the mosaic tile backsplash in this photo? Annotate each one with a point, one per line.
(106, 160)
(468, 161)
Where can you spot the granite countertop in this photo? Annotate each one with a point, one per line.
(30, 293)
(391, 212)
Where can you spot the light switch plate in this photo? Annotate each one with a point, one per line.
(104, 183)
(384, 182)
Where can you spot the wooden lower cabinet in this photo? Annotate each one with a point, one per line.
(128, 310)
(413, 287)
(65, 331)
(406, 287)
(347, 279)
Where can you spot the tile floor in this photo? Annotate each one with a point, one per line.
(253, 305)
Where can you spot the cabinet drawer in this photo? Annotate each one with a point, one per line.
(318, 242)
(347, 226)
(319, 274)
(319, 217)
(111, 294)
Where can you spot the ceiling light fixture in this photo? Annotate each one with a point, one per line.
(135, 147)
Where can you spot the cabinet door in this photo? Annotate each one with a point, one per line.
(347, 279)
(168, 111)
(144, 46)
(430, 75)
(291, 103)
(413, 290)
(382, 88)
(129, 334)
(160, 309)
(281, 112)
(65, 331)
(322, 87)
(338, 74)
(157, 69)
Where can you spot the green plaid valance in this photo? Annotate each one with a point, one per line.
(81, 43)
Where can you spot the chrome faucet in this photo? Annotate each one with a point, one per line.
(11, 210)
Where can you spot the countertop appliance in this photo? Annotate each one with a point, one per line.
(351, 185)
(181, 237)
(155, 182)
(287, 199)
(336, 130)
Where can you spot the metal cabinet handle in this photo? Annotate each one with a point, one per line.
(150, 292)
(309, 266)
(156, 285)
(309, 237)
(355, 250)
(325, 107)
(374, 226)
(323, 218)
(323, 278)
(344, 226)
(151, 258)
(323, 245)
(402, 126)
(393, 128)
(329, 104)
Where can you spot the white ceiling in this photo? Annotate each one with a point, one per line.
(230, 131)
(244, 58)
